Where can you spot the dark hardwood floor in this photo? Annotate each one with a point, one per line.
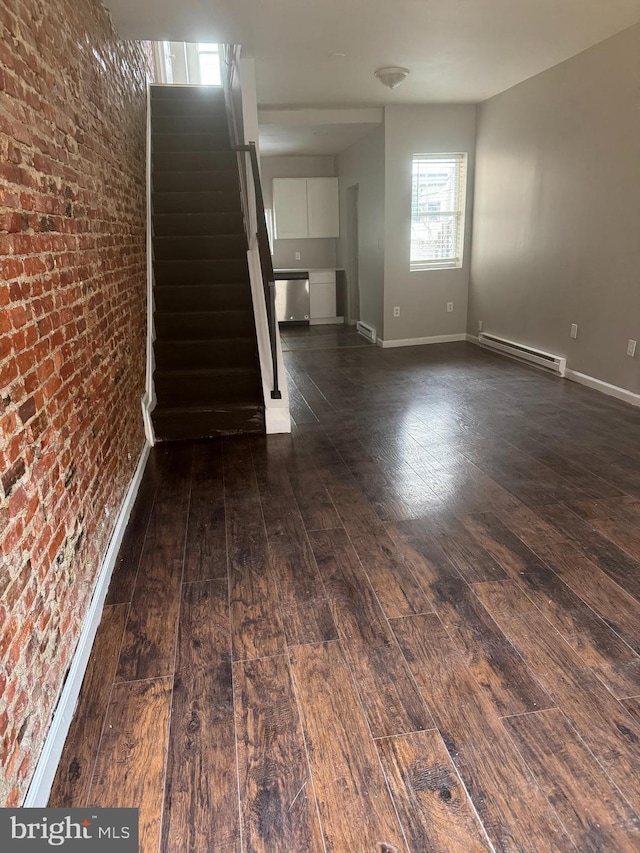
(412, 625)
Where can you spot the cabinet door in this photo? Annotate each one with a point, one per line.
(290, 208)
(322, 293)
(323, 209)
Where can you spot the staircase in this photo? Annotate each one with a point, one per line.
(207, 373)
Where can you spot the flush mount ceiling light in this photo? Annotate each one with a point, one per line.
(391, 76)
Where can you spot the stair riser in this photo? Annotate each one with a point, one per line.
(200, 327)
(186, 355)
(185, 390)
(211, 123)
(191, 224)
(184, 142)
(187, 425)
(187, 107)
(222, 297)
(222, 201)
(180, 182)
(178, 273)
(195, 161)
(182, 93)
(192, 248)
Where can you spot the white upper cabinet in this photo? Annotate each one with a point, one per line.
(323, 215)
(305, 207)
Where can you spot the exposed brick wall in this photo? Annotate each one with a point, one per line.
(72, 339)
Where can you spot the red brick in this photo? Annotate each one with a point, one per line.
(72, 274)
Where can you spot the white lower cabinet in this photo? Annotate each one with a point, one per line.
(322, 293)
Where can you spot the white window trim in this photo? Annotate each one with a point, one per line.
(458, 261)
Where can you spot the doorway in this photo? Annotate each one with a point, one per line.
(353, 256)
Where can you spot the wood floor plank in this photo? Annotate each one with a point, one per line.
(239, 472)
(277, 799)
(355, 510)
(619, 609)
(148, 646)
(433, 806)
(604, 725)
(591, 808)
(305, 612)
(206, 545)
(201, 801)
(130, 766)
(353, 799)
(608, 556)
(617, 665)
(389, 696)
(316, 507)
(472, 561)
(633, 707)
(256, 625)
(496, 665)
(356, 611)
(391, 577)
(73, 776)
(513, 810)
(125, 570)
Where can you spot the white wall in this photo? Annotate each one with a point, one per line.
(557, 211)
(362, 164)
(422, 296)
(314, 252)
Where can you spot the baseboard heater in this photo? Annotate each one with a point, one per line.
(534, 356)
(366, 331)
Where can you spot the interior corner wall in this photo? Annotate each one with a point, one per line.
(422, 296)
(362, 165)
(315, 253)
(72, 340)
(557, 211)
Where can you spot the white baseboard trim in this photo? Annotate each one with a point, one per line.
(603, 387)
(326, 321)
(40, 786)
(591, 382)
(418, 342)
(148, 405)
(473, 339)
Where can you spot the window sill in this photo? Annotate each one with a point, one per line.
(435, 267)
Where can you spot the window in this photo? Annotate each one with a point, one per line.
(438, 190)
(209, 64)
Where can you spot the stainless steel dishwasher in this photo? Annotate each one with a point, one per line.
(292, 297)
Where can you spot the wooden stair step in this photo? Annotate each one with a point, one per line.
(204, 387)
(221, 160)
(224, 352)
(211, 123)
(194, 201)
(203, 325)
(203, 297)
(195, 224)
(193, 248)
(220, 179)
(195, 92)
(181, 142)
(192, 272)
(180, 423)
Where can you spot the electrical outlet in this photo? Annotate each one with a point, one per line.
(297, 256)
(479, 325)
(396, 311)
(449, 307)
(631, 348)
(574, 330)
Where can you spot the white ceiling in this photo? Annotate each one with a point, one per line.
(319, 139)
(457, 50)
